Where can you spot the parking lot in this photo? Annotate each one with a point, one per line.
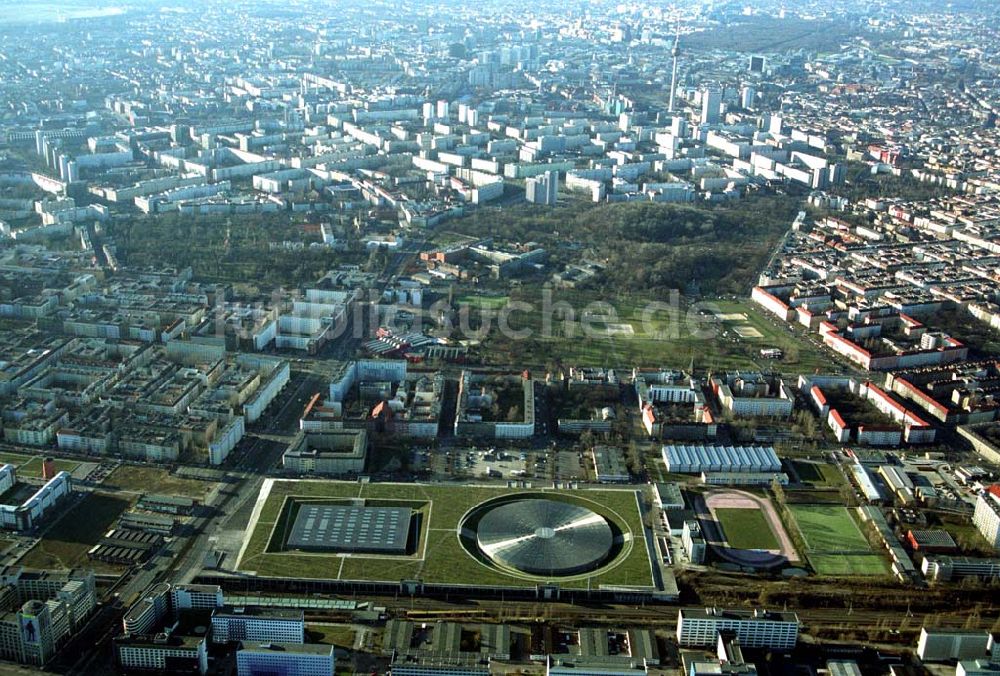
(499, 463)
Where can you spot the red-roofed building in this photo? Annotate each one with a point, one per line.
(839, 427)
(907, 389)
(771, 303)
(931, 542)
(916, 430)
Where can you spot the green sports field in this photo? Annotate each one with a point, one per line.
(848, 564)
(828, 528)
(834, 543)
(484, 302)
(439, 556)
(746, 529)
(817, 473)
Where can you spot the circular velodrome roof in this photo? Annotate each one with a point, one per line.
(544, 537)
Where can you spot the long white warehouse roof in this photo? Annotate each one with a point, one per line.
(699, 458)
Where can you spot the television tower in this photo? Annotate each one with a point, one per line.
(675, 52)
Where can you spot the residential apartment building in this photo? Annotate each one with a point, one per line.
(25, 516)
(987, 515)
(543, 189)
(327, 452)
(754, 394)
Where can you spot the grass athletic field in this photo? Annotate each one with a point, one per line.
(484, 302)
(834, 543)
(746, 529)
(867, 565)
(816, 472)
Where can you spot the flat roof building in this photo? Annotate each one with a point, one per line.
(342, 528)
(169, 504)
(937, 645)
(729, 662)
(947, 568)
(754, 628)
(429, 666)
(609, 465)
(987, 515)
(931, 541)
(843, 668)
(238, 623)
(980, 667)
(694, 541)
(327, 452)
(195, 597)
(694, 459)
(288, 659)
(162, 653)
(668, 495)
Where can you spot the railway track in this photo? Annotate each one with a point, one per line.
(665, 616)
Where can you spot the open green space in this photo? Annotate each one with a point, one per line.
(657, 260)
(648, 247)
(862, 184)
(746, 529)
(34, 466)
(583, 327)
(807, 471)
(834, 543)
(144, 479)
(965, 533)
(798, 352)
(340, 635)
(483, 302)
(31, 465)
(440, 556)
(982, 340)
(855, 410)
(820, 473)
(828, 528)
(759, 34)
(868, 565)
(16, 459)
(821, 496)
(443, 238)
(220, 248)
(66, 543)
